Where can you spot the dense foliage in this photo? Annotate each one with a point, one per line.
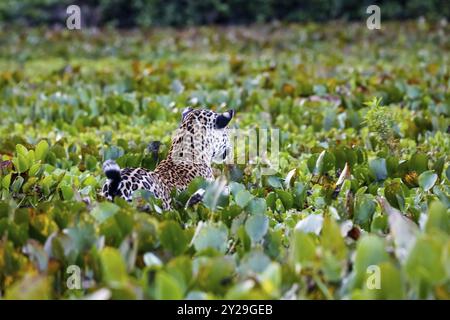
(363, 176)
(129, 13)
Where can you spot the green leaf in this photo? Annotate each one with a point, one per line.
(274, 182)
(82, 237)
(114, 272)
(21, 150)
(35, 170)
(270, 279)
(418, 162)
(379, 223)
(113, 153)
(324, 163)
(390, 282)
(30, 158)
(413, 92)
(181, 268)
(104, 210)
(299, 194)
(214, 236)
(370, 250)
(214, 274)
(427, 179)
(311, 163)
(392, 166)
(172, 237)
(364, 209)
(271, 200)
(31, 287)
(243, 197)
(303, 249)
(257, 206)
(256, 227)
(392, 286)
(17, 184)
(426, 263)
(394, 194)
(214, 195)
(6, 181)
(438, 218)
(235, 188)
(438, 166)
(21, 163)
(286, 198)
(379, 169)
(91, 162)
(331, 238)
(167, 287)
(67, 192)
(41, 150)
(253, 262)
(5, 209)
(229, 213)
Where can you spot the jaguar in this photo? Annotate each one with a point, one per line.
(202, 138)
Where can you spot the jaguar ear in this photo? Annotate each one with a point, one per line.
(185, 112)
(223, 119)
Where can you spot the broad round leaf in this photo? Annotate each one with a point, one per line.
(172, 237)
(256, 227)
(427, 180)
(214, 236)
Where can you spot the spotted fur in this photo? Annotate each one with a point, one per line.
(201, 139)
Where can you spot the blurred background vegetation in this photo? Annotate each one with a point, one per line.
(144, 13)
